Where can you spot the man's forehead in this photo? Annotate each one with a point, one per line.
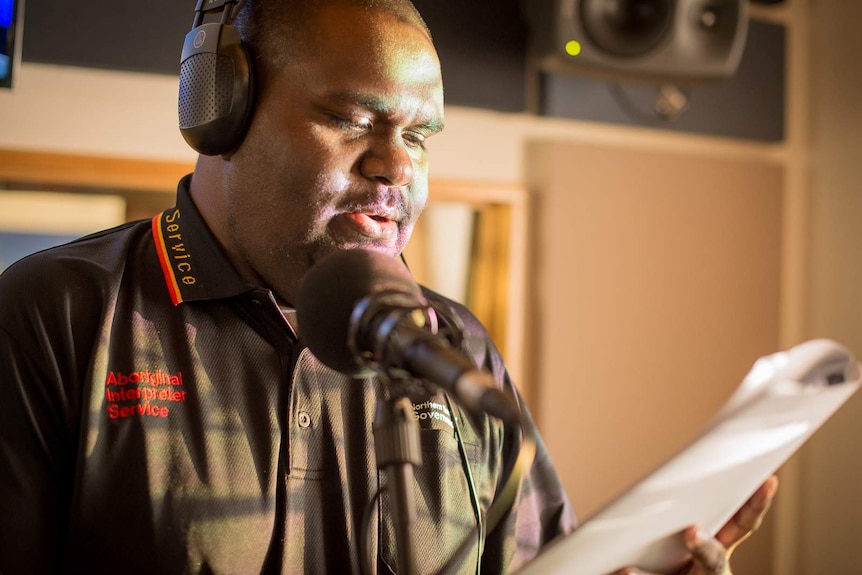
(401, 10)
(376, 50)
(369, 58)
(312, 18)
(379, 23)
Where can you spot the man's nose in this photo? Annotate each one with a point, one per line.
(388, 161)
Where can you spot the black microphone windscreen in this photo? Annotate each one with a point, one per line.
(331, 290)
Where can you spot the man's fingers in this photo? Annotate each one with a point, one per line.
(709, 557)
(750, 515)
(709, 554)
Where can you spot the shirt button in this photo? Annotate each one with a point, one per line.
(304, 419)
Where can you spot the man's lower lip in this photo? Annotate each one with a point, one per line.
(370, 226)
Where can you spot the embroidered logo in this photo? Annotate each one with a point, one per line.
(142, 393)
(432, 411)
(174, 257)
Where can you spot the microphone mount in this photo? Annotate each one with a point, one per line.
(373, 324)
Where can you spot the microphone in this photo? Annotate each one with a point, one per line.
(357, 308)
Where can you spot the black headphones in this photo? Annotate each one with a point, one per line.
(216, 83)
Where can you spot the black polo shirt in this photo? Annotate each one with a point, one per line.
(159, 415)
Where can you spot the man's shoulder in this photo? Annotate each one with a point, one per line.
(447, 306)
(78, 270)
(87, 249)
(475, 338)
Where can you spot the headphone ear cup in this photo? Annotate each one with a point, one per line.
(216, 89)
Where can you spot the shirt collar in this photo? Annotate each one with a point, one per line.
(192, 263)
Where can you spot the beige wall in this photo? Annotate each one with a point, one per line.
(85, 111)
(133, 115)
(830, 526)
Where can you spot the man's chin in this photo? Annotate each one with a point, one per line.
(382, 248)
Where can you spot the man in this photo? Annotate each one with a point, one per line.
(158, 411)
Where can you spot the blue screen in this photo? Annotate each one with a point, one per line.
(6, 13)
(7, 31)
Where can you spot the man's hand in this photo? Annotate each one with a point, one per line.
(711, 555)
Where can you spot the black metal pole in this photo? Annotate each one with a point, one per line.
(397, 448)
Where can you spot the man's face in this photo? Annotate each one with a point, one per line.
(335, 155)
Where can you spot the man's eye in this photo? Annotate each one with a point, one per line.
(350, 124)
(415, 140)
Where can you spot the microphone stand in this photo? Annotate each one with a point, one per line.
(397, 448)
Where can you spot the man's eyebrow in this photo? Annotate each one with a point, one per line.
(432, 127)
(383, 106)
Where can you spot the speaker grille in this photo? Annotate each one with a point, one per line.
(626, 28)
(206, 89)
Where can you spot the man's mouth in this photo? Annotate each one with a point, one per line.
(372, 225)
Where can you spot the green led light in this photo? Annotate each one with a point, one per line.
(573, 47)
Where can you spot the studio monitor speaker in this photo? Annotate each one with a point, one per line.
(681, 41)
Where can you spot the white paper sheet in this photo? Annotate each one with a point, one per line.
(781, 402)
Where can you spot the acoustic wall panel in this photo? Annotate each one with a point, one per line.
(654, 286)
